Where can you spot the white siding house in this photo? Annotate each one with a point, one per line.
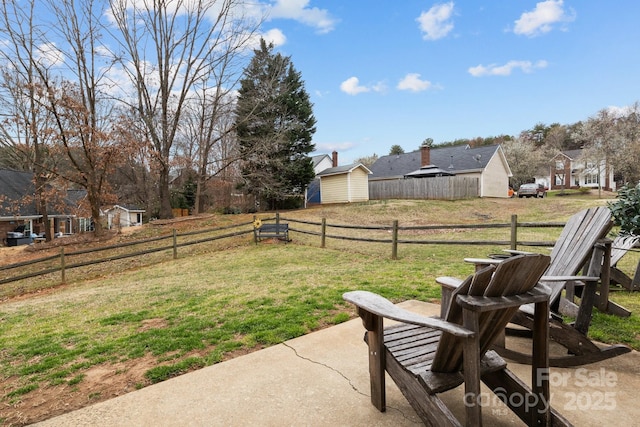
(124, 216)
(322, 162)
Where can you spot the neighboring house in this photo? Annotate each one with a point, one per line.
(487, 163)
(320, 163)
(323, 161)
(18, 209)
(123, 216)
(573, 169)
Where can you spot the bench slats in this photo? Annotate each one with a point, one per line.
(277, 231)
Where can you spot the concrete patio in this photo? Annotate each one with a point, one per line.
(321, 379)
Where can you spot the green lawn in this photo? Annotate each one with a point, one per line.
(204, 307)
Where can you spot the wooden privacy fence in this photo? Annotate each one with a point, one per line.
(436, 188)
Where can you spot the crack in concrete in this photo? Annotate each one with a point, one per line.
(348, 380)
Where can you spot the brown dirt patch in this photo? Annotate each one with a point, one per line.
(149, 324)
(99, 383)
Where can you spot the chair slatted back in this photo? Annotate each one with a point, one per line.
(514, 276)
(620, 246)
(575, 244)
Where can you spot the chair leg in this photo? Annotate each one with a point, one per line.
(471, 360)
(429, 407)
(635, 283)
(504, 383)
(375, 340)
(540, 364)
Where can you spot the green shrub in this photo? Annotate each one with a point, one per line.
(584, 190)
(626, 210)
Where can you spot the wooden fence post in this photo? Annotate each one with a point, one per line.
(62, 266)
(394, 244)
(255, 230)
(175, 244)
(323, 233)
(514, 232)
(277, 220)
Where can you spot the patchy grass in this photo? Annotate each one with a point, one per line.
(211, 305)
(180, 315)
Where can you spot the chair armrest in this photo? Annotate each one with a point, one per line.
(381, 306)
(483, 261)
(447, 286)
(481, 303)
(449, 282)
(569, 278)
(517, 252)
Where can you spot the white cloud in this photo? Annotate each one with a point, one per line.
(351, 86)
(379, 87)
(300, 11)
(413, 83)
(543, 18)
(506, 69)
(334, 146)
(48, 54)
(436, 22)
(275, 36)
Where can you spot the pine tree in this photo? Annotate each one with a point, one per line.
(275, 125)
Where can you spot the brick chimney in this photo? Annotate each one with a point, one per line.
(425, 154)
(334, 159)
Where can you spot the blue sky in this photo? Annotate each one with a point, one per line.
(385, 72)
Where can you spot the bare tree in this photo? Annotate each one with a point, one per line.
(626, 156)
(209, 146)
(67, 114)
(525, 159)
(367, 160)
(24, 119)
(168, 51)
(84, 113)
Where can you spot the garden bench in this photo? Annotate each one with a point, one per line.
(273, 231)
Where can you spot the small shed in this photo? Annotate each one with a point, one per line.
(345, 184)
(124, 216)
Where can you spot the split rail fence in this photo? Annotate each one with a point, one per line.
(392, 234)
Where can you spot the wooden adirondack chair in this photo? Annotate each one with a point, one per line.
(619, 248)
(427, 355)
(582, 244)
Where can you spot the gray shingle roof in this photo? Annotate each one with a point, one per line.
(455, 159)
(573, 154)
(317, 159)
(342, 169)
(17, 196)
(16, 191)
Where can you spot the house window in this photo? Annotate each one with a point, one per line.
(559, 165)
(592, 178)
(85, 225)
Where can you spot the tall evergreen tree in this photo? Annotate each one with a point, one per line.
(275, 125)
